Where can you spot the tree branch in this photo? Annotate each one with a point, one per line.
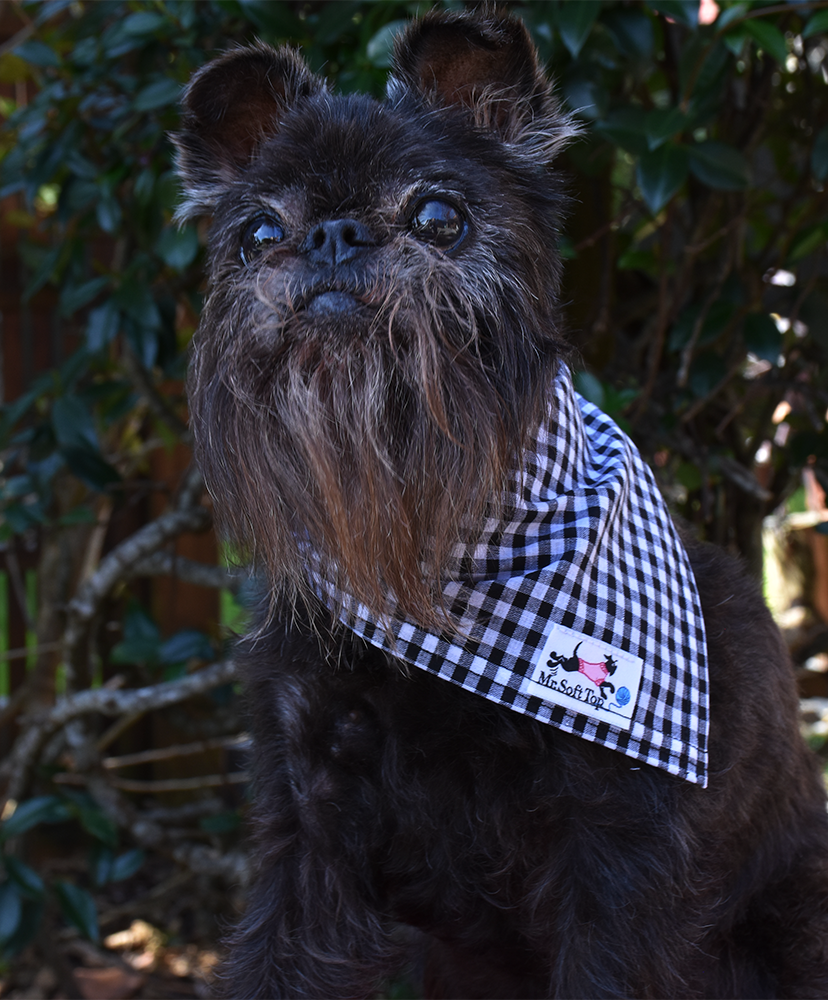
(106, 702)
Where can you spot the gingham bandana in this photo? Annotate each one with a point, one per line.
(577, 607)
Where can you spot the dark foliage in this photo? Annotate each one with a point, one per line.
(694, 281)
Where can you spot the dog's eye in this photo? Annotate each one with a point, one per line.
(439, 223)
(261, 234)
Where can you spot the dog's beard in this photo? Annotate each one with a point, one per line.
(363, 444)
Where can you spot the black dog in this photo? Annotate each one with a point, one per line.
(384, 416)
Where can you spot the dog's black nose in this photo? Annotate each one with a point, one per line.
(336, 241)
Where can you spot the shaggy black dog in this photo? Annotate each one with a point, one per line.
(377, 353)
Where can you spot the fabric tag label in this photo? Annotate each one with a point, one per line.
(586, 676)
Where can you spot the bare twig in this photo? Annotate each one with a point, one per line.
(234, 866)
(134, 906)
(191, 488)
(181, 784)
(106, 702)
(23, 651)
(156, 402)
(115, 730)
(700, 404)
(19, 587)
(21, 694)
(201, 574)
(161, 785)
(662, 322)
(117, 566)
(178, 750)
(185, 813)
(19, 36)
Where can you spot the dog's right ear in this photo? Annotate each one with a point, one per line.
(229, 107)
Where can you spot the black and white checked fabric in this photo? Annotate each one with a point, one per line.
(577, 607)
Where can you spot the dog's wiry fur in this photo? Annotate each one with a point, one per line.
(363, 394)
(375, 426)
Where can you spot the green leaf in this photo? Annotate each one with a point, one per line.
(276, 18)
(90, 467)
(74, 297)
(819, 153)
(73, 424)
(135, 300)
(735, 40)
(185, 645)
(141, 641)
(333, 20)
(689, 475)
(46, 271)
(684, 12)
(715, 321)
(660, 174)
(102, 326)
(768, 37)
(224, 822)
(42, 809)
(380, 49)
(145, 343)
(16, 410)
(144, 187)
(37, 53)
(78, 909)
(100, 864)
(810, 239)
(18, 486)
(95, 821)
(168, 191)
(762, 337)
(638, 260)
(177, 247)
(78, 515)
(590, 388)
(575, 20)
(706, 372)
(161, 93)
(626, 127)
(10, 910)
(144, 22)
(719, 166)
(126, 865)
(27, 928)
(817, 25)
(74, 368)
(25, 878)
(108, 212)
(81, 166)
(631, 31)
(731, 14)
(18, 518)
(662, 124)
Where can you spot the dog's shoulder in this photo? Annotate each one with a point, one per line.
(754, 704)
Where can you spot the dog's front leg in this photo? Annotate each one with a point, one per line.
(307, 932)
(314, 924)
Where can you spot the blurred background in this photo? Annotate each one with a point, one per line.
(695, 290)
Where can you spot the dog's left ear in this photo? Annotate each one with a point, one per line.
(488, 65)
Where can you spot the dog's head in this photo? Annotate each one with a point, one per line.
(382, 323)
